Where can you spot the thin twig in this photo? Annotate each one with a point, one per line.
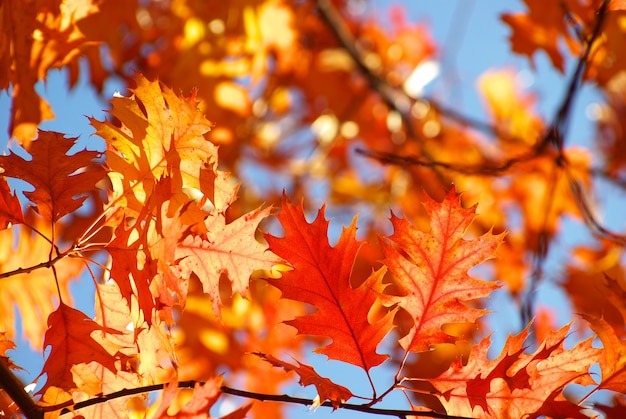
(492, 169)
(46, 264)
(250, 395)
(389, 94)
(555, 136)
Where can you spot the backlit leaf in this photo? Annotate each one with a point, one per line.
(431, 268)
(69, 336)
(516, 384)
(226, 248)
(159, 134)
(321, 277)
(326, 389)
(60, 183)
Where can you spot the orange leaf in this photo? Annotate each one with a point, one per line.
(326, 389)
(131, 265)
(230, 249)
(431, 269)
(516, 384)
(321, 277)
(613, 360)
(540, 29)
(10, 208)
(69, 335)
(60, 181)
(161, 134)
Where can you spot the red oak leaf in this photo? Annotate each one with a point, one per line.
(321, 277)
(69, 336)
(230, 249)
(516, 384)
(326, 389)
(431, 269)
(161, 134)
(613, 360)
(131, 264)
(60, 182)
(10, 208)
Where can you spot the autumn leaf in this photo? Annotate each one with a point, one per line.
(229, 249)
(204, 397)
(147, 342)
(158, 134)
(542, 28)
(321, 277)
(594, 293)
(431, 270)
(10, 208)
(60, 182)
(516, 384)
(613, 358)
(326, 389)
(132, 268)
(70, 337)
(292, 90)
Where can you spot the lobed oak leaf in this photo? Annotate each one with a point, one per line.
(516, 384)
(596, 294)
(613, 358)
(321, 277)
(69, 336)
(61, 181)
(229, 249)
(132, 268)
(431, 271)
(159, 134)
(326, 389)
(146, 342)
(10, 207)
(543, 28)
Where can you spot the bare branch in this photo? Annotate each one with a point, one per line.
(251, 395)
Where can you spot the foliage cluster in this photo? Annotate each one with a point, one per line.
(200, 288)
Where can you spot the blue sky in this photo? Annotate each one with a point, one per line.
(481, 43)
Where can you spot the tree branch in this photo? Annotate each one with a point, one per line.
(555, 136)
(389, 94)
(46, 264)
(250, 395)
(15, 389)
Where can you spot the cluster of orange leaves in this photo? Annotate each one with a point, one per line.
(189, 287)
